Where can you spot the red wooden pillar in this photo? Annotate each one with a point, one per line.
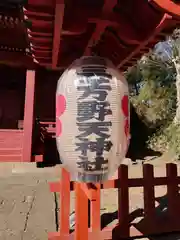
(28, 116)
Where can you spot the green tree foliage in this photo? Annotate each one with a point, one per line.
(154, 93)
(156, 98)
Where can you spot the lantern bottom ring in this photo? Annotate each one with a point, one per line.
(85, 177)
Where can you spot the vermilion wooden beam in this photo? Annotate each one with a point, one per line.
(28, 116)
(44, 34)
(43, 48)
(81, 211)
(41, 39)
(45, 24)
(48, 3)
(123, 23)
(34, 13)
(95, 211)
(58, 22)
(168, 6)
(158, 29)
(49, 66)
(100, 26)
(94, 17)
(123, 201)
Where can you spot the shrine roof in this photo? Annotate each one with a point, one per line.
(53, 33)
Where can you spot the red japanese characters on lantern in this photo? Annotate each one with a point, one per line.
(92, 119)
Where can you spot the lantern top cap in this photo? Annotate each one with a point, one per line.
(92, 61)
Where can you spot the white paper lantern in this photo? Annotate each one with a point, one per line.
(92, 119)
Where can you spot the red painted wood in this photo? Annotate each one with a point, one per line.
(64, 197)
(162, 25)
(132, 31)
(127, 24)
(51, 129)
(37, 158)
(31, 13)
(132, 182)
(103, 235)
(10, 151)
(168, 6)
(64, 188)
(40, 39)
(81, 211)
(100, 26)
(48, 3)
(11, 145)
(172, 190)
(149, 194)
(90, 190)
(95, 211)
(41, 24)
(123, 201)
(146, 227)
(11, 139)
(47, 123)
(55, 186)
(10, 158)
(28, 116)
(16, 59)
(58, 22)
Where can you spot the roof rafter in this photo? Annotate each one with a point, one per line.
(168, 6)
(58, 22)
(158, 29)
(100, 26)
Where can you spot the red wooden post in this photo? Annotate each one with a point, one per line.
(63, 187)
(95, 212)
(172, 190)
(123, 201)
(28, 116)
(81, 211)
(149, 196)
(150, 225)
(64, 203)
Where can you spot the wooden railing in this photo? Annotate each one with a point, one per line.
(11, 142)
(50, 127)
(151, 224)
(11, 146)
(11, 138)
